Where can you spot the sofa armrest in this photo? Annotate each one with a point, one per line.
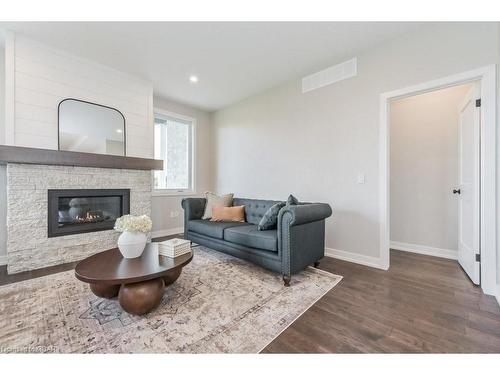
(305, 213)
(193, 208)
(301, 236)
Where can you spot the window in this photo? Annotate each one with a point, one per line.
(173, 138)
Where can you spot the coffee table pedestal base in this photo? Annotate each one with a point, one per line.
(142, 297)
(105, 291)
(172, 276)
(137, 298)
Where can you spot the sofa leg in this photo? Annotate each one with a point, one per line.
(316, 264)
(286, 280)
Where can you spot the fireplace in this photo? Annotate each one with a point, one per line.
(72, 211)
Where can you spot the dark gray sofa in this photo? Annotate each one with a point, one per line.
(298, 241)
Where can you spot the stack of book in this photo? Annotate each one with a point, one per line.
(174, 247)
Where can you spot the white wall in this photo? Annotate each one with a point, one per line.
(498, 174)
(44, 76)
(3, 181)
(314, 144)
(424, 170)
(162, 206)
(2, 94)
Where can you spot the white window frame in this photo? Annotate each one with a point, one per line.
(179, 192)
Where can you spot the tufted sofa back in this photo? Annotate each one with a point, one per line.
(254, 208)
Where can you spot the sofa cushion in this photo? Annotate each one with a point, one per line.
(292, 201)
(213, 229)
(213, 200)
(270, 218)
(236, 213)
(254, 208)
(250, 236)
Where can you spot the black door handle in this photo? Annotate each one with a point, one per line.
(456, 191)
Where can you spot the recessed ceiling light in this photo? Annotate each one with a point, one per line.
(119, 131)
(193, 79)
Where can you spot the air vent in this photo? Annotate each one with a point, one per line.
(330, 75)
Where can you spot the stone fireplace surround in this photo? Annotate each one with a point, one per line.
(28, 246)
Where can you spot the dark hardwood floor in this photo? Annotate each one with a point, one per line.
(422, 304)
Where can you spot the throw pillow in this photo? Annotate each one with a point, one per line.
(214, 200)
(292, 201)
(270, 218)
(235, 213)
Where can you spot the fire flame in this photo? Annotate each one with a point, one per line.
(89, 217)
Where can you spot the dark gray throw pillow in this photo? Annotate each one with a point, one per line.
(292, 201)
(270, 218)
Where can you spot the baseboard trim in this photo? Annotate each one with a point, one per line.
(3, 260)
(364, 260)
(425, 250)
(167, 232)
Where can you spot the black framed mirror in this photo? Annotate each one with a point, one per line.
(90, 127)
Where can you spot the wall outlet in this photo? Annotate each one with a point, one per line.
(174, 213)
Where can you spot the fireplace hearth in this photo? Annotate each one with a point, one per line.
(73, 211)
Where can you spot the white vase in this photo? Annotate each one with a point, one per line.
(132, 244)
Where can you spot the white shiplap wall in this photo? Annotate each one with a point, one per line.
(43, 76)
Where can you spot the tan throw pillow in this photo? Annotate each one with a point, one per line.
(214, 200)
(235, 213)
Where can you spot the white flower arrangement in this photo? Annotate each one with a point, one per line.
(131, 223)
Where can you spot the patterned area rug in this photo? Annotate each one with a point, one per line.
(219, 304)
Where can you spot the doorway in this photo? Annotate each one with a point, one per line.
(434, 168)
(486, 233)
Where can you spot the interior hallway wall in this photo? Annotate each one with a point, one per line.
(315, 144)
(3, 174)
(424, 136)
(498, 174)
(2, 93)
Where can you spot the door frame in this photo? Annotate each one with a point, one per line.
(487, 76)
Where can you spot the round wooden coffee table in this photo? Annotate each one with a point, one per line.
(139, 283)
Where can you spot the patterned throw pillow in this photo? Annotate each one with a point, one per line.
(292, 201)
(216, 200)
(270, 218)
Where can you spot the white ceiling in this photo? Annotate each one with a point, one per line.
(232, 60)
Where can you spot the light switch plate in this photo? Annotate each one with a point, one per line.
(361, 178)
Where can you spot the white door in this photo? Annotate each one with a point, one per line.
(468, 191)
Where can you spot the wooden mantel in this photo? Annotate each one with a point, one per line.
(26, 155)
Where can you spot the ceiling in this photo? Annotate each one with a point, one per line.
(233, 60)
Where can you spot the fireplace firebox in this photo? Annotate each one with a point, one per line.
(72, 211)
